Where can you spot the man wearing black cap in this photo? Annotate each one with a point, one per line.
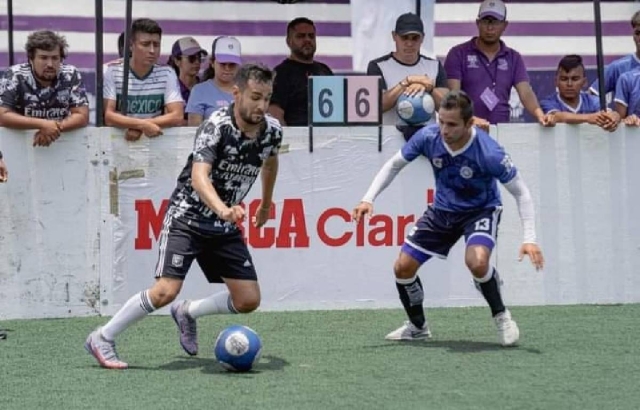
(406, 70)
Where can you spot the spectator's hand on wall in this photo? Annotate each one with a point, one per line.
(150, 129)
(4, 174)
(607, 120)
(547, 120)
(632, 121)
(49, 132)
(132, 134)
(481, 123)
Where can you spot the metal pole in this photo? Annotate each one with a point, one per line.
(419, 8)
(599, 56)
(10, 34)
(99, 64)
(127, 42)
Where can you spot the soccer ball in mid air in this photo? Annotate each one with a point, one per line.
(238, 348)
(415, 110)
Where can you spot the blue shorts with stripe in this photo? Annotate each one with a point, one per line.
(435, 233)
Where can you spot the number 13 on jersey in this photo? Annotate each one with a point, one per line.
(344, 101)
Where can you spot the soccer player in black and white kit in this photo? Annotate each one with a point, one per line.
(232, 147)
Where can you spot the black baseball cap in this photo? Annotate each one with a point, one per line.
(409, 23)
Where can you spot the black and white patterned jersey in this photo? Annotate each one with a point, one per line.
(236, 162)
(20, 92)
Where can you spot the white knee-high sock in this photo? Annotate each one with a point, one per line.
(137, 307)
(219, 303)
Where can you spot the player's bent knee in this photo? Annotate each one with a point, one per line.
(165, 291)
(247, 302)
(478, 267)
(246, 305)
(245, 295)
(405, 267)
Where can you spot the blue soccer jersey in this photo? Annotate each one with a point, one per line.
(628, 92)
(588, 104)
(466, 180)
(614, 70)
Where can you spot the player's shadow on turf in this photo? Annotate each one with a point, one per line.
(457, 346)
(210, 366)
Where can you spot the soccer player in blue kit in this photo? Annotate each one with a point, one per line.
(467, 163)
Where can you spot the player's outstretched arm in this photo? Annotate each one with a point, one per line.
(202, 185)
(523, 198)
(385, 176)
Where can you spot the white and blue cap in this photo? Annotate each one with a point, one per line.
(493, 8)
(226, 50)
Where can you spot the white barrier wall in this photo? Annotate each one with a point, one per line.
(79, 221)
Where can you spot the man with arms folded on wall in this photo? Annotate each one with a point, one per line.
(627, 98)
(486, 69)
(154, 100)
(570, 104)
(44, 94)
(616, 68)
(406, 71)
(232, 147)
(467, 163)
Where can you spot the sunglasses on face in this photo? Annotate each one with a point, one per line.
(193, 59)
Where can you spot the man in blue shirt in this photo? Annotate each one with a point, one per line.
(627, 98)
(616, 68)
(467, 163)
(569, 104)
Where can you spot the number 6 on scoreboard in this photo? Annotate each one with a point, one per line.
(327, 100)
(363, 100)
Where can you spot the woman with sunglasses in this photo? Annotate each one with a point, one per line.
(216, 89)
(186, 58)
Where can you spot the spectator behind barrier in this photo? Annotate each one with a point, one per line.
(154, 99)
(486, 69)
(616, 68)
(186, 58)
(289, 103)
(44, 94)
(219, 78)
(570, 104)
(627, 97)
(406, 71)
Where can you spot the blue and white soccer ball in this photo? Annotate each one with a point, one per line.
(416, 110)
(238, 348)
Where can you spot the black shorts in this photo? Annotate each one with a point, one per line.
(219, 255)
(437, 231)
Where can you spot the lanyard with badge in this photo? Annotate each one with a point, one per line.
(488, 96)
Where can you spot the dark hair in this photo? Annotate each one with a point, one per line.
(46, 40)
(171, 62)
(121, 45)
(635, 19)
(569, 62)
(298, 20)
(147, 26)
(253, 71)
(209, 72)
(460, 100)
